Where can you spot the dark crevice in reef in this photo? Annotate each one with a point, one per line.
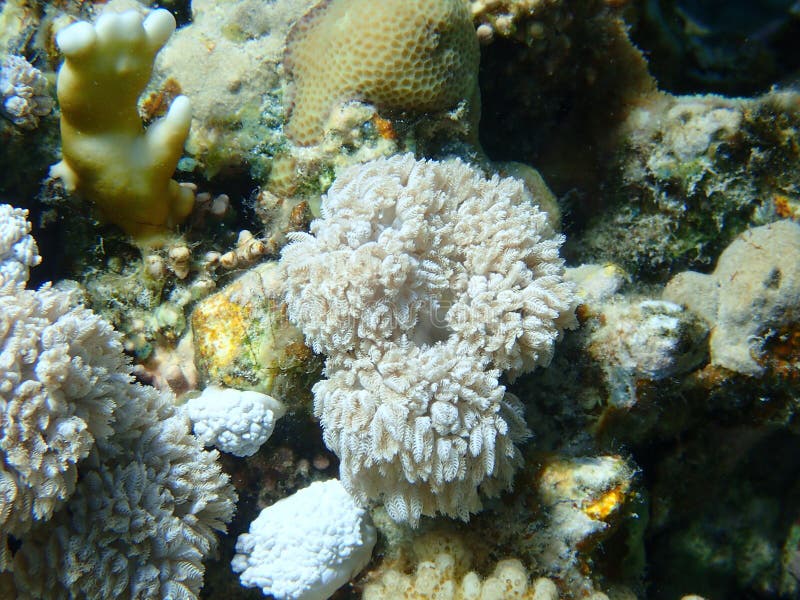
(735, 48)
(721, 539)
(556, 105)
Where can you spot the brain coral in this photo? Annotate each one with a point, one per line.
(422, 281)
(419, 55)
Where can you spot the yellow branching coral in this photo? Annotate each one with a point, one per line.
(108, 158)
(416, 55)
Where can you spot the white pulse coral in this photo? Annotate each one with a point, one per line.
(422, 281)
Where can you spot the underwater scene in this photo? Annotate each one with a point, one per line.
(400, 299)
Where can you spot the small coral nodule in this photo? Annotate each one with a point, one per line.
(422, 281)
(108, 158)
(23, 93)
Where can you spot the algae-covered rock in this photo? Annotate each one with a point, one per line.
(243, 339)
(644, 340)
(227, 60)
(690, 174)
(753, 292)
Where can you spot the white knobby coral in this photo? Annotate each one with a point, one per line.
(23, 92)
(18, 250)
(306, 546)
(234, 421)
(421, 282)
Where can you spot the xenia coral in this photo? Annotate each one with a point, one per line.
(234, 421)
(754, 290)
(144, 514)
(422, 281)
(23, 93)
(61, 371)
(415, 55)
(306, 546)
(108, 158)
(101, 482)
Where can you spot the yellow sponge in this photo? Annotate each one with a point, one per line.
(416, 55)
(108, 158)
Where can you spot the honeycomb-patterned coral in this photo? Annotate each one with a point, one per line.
(407, 55)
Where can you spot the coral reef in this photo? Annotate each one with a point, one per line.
(421, 282)
(235, 421)
(108, 159)
(418, 56)
(753, 292)
(307, 545)
(662, 458)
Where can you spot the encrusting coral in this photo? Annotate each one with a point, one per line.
(108, 158)
(422, 281)
(415, 55)
(644, 339)
(101, 482)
